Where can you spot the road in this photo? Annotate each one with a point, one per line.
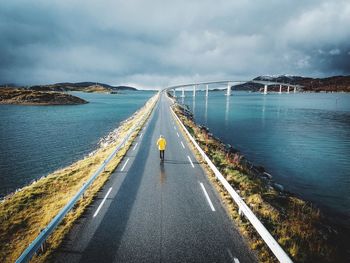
(153, 212)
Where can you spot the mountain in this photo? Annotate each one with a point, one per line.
(329, 84)
(81, 86)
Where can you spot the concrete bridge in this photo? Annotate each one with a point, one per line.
(230, 84)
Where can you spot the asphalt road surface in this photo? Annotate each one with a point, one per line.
(156, 212)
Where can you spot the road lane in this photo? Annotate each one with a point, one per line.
(156, 212)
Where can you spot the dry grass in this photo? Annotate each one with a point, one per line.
(26, 212)
(296, 225)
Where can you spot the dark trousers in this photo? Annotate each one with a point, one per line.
(161, 154)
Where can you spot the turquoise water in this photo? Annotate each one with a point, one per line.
(36, 140)
(302, 139)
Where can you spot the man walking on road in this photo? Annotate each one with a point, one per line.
(161, 146)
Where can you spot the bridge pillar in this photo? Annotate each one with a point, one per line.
(183, 93)
(207, 90)
(265, 89)
(288, 89)
(295, 89)
(280, 89)
(194, 90)
(228, 93)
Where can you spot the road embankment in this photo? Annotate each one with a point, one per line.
(26, 212)
(299, 227)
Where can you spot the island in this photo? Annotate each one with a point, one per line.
(82, 87)
(32, 97)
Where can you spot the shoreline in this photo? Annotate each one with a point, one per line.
(274, 206)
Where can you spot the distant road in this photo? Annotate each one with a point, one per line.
(152, 212)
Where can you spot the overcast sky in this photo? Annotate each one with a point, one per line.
(157, 43)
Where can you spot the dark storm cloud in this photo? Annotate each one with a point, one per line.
(156, 43)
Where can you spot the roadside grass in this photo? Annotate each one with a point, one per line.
(296, 225)
(24, 213)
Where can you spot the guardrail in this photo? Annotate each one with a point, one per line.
(28, 253)
(276, 249)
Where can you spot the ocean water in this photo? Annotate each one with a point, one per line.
(302, 139)
(37, 140)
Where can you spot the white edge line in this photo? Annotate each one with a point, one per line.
(208, 198)
(103, 201)
(183, 146)
(189, 158)
(141, 135)
(124, 164)
(135, 146)
(178, 134)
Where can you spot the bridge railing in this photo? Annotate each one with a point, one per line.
(276, 249)
(29, 252)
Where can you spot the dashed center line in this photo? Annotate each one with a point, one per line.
(190, 161)
(174, 128)
(135, 146)
(208, 198)
(183, 146)
(103, 201)
(125, 164)
(141, 135)
(177, 134)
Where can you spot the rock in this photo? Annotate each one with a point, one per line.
(267, 175)
(278, 187)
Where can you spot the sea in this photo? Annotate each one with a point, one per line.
(301, 139)
(37, 140)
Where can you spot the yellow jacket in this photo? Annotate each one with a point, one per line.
(161, 144)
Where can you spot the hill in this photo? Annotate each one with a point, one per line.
(81, 86)
(329, 84)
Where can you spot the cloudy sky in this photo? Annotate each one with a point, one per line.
(157, 43)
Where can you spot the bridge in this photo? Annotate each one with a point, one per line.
(231, 83)
(153, 211)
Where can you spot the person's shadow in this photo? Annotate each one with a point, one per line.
(162, 173)
(176, 162)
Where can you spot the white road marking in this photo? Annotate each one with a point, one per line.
(236, 260)
(124, 164)
(207, 196)
(103, 201)
(183, 146)
(178, 134)
(135, 146)
(190, 161)
(141, 135)
(174, 128)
